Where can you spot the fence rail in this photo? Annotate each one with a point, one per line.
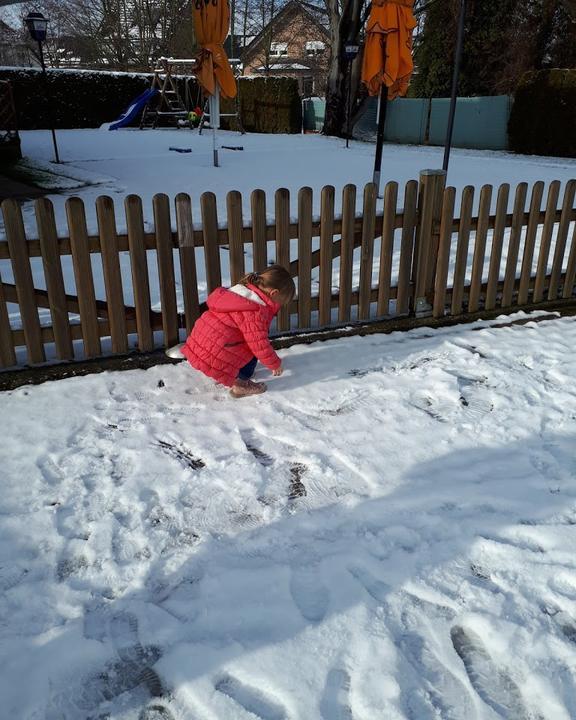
(423, 258)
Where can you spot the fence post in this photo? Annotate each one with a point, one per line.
(432, 184)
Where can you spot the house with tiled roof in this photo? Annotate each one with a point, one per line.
(296, 43)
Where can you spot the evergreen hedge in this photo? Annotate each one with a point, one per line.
(80, 98)
(268, 105)
(543, 117)
(88, 98)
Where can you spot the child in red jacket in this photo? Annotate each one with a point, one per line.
(227, 341)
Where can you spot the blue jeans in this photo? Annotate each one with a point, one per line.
(246, 372)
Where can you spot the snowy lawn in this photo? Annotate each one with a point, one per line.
(390, 532)
(140, 162)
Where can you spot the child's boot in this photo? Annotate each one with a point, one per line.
(175, 352)
(243, 388)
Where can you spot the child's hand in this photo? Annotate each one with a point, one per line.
(278, 371)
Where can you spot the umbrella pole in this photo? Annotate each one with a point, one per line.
(454, 94)
(215, 120)
(380, 136)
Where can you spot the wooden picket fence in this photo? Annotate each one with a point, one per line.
(423, 234)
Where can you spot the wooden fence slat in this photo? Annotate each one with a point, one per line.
(561, 238)
(347, 251)
(387, 248)
(16, 236)
(165, 258)
(282, 208)
(7, 354)
(367, 250)
(139, 268)
(326, 241)
(531, 230)
(259, 244)
(211, 246)
(497, 242)
(570, 269)
(546, 240)
(479, 248)
(112, 274)
(462, 249)
(48, 237)
(514, 244)
(304, 255)
(444, 246)
(407, 247)
(235, 239)
(185, 229)
(83, 276)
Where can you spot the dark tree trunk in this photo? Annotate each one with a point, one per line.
(345, 24)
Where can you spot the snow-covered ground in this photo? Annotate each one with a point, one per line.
(390, 532)
(141, 162)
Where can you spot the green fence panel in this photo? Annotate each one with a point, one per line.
(406, 120)
(313, 112)
(479, 122)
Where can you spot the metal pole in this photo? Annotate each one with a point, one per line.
(380, 136)
(214, 118)
(49, 102)
(348, 103)
(232, 26)
(454, 95)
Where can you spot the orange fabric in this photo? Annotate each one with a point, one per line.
(211, 22)
(388, 49)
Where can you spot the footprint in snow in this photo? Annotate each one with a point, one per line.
(492, 683)
(378, 589)
(251, 699)
(156, 712)
(335, 703)
(11, 576)
(309, 593)
(181, 453)
(252, 446)
(440, 409)
(474, 398)
(297, 487)
(444, 691)
(67, 567)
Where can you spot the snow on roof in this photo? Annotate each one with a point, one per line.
(283, 66)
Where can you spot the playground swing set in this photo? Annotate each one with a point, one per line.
(164, 104)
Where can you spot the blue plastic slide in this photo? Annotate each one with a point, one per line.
(134, 109)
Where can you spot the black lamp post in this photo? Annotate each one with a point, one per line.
(350, 52)
(37, 27)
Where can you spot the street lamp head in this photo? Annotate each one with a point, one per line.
(37, 25)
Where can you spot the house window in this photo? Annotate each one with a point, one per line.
(315, 47)
(278, 49)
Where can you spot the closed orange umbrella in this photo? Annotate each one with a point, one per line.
(212, 22)
(388, 48)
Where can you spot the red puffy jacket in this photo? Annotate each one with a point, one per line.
(231, 332)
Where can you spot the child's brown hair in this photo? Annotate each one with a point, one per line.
(274, 277)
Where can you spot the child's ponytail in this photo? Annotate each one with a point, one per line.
(274, 277)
